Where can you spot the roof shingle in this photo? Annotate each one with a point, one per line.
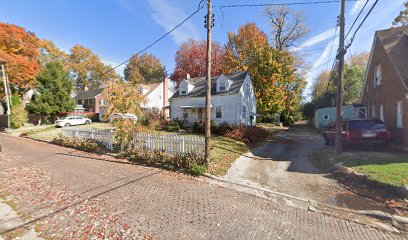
(199, 83)
(395, 42)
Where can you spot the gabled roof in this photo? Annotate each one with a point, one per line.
(199, 83)
(88, 94)
(151, 87)
(395, 43)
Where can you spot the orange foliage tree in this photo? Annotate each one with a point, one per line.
(20, 49)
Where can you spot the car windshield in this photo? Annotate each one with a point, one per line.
(361, 125)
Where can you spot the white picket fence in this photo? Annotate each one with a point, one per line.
(104, 136)
(170, 143)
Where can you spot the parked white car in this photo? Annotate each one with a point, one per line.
(117, 116)
(72, 121)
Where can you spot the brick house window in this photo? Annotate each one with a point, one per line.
(218, 113)
(399, 115)
(377, 75)
(101, 101)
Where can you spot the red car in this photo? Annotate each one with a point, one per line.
(364, 131)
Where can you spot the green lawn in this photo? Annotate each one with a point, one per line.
(224, 151)
(388, 168)
(49, 132)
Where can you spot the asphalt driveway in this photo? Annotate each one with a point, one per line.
(68, 194)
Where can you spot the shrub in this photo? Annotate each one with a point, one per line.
(193, 163)
(89, 145)
(173, 126)
(19, 116)
(248, 134)
(197, 170)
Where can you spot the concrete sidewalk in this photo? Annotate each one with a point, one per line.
(71, 194)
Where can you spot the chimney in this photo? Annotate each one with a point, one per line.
(188, 76)
(165, 92)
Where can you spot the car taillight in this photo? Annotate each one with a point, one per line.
(348, 134)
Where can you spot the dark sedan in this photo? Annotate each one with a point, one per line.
(365, 131)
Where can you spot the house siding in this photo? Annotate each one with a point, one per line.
(247, 99)
(155, 98)
(229, 107)
(391, 91)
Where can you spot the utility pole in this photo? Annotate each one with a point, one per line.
(209, 25)
(340, 57)
(3, 70)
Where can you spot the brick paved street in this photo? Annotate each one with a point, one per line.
(70, 194)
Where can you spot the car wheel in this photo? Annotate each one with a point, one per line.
(67, 125)
(87, 122)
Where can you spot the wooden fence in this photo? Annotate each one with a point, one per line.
(169, 143)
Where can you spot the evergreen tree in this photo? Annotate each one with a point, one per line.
(53, 94)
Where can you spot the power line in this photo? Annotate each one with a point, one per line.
(283, 4)
(361, 24)
(160, 38)
(358, 16)
(321, 65)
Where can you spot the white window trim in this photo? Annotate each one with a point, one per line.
(373, 115)
(382, 113)
(377, 73)
(400, 113)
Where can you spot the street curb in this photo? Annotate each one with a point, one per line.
(377, 214)
(341, 169)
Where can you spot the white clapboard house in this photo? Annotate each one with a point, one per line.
(233, 99)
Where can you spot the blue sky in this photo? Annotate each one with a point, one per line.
(115, 29)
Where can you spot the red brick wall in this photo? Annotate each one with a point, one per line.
(387, 94)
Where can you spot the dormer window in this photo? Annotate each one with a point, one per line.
(377, 75)
(183, 92)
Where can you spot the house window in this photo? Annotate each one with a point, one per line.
(218, 113)
(183, 92)
(326, 117)
(159, 96)
(222, 87)
(79, 102)
(373, 111)
(244, 114)
(382, 113)
(91, 101)
(399, 115)
(377, 75)
(185, 113)
(101, 101)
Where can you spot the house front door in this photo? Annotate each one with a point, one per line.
(200, 115)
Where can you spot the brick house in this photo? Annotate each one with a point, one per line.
(156, 95)
(92, 100)
(385, 89)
